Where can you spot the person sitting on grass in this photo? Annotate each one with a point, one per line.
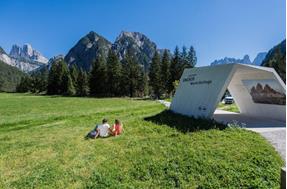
(103, 130)
(92, 134)
(117, 128)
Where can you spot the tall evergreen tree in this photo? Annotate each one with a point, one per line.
(39, 81)
(155, 75)
(98, 77)
(165, 72)
(68, 87)
(131, 75)
(192, 59)
(55, 78)
(184, 58)
(176, 68)
(59, 79)
(82, 88)
(74, 71)
(114, 74)
(143, 87)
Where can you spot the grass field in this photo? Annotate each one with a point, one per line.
(42, 146)
(228, 107)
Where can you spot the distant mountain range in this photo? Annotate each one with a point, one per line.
(24, 58)
(86, 50)
(245, 60)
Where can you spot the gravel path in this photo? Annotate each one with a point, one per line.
(273, 130)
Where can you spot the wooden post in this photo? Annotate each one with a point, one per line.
(283, 178)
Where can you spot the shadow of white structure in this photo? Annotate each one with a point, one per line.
(258, 91)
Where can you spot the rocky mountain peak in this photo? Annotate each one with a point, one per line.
(137, 37)
(137, 44)
(27, 53)
(87, 49)
(28, 50)
(246, 59)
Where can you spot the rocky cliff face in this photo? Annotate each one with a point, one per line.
(84, 53)
(51, 61)
(24, 58)
(137, 44)
(259, 58)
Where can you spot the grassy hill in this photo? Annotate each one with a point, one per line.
(9, 77)
(42, 146)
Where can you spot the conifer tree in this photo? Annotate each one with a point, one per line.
(114, 74)
(192, 59)
(143, 87)
(155, 75)
(55, 78)
(176, 68)
(184, 58)
(82, 88)
(98, 77)
(59, 79)
(24, 85)
(165, 72)
(39, 81)
(131, 70)
(68, 87)
(74, 71)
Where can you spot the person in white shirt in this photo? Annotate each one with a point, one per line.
(103, 130)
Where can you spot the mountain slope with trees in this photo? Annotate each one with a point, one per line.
(276, 58)
(10, 77)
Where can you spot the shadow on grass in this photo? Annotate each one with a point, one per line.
(184, 123)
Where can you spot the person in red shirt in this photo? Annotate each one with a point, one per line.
(117, 128)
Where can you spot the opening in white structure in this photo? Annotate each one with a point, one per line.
(258, 91)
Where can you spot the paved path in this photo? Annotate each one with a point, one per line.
(166, 103)
(273, 130)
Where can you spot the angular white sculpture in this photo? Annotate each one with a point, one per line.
(258, 91)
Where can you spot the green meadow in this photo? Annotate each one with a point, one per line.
(42, 146)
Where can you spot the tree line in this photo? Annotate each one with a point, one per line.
(110, 77)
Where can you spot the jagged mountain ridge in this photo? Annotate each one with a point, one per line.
(27, 53)
(227, 60)
(245, 60)
(24, 58)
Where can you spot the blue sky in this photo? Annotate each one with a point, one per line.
(216, 28)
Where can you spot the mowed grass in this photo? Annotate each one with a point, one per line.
(42, 146)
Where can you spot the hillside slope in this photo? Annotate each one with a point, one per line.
(9, 77)
(276, 58)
